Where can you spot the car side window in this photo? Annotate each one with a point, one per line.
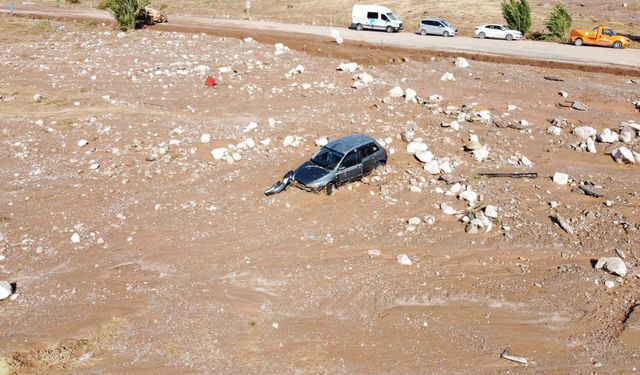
(424, 22)
(350, 160)
(384, 18)
(368, 150)
(373, 15)
(607, 32)
(439, 24)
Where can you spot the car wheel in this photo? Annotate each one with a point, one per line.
(617, 45)
(389, 29)
(379, 165)
(329, 188)
(509, 37)
(578, 42)
(359, 27)
(445, 34)
(482, 35)
(423, 32)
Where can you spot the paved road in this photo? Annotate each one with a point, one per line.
(629, 58)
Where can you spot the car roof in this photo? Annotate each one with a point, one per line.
(348, 143)
(431, 19)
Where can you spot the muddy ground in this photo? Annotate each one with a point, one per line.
(134, 250)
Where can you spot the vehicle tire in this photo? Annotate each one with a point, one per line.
(578, 42)
(482, 35)
(423, 32)
(509, 37)
(359, 27)
(379, 165)
(329, 188)
(617, 45)
(445, 34)
(389, 29)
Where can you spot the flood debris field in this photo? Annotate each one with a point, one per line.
(134, 225)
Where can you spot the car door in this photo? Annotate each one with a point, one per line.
(350, 168)
(607, 37)
(367, 156)
(495, 31)
(384, 20)
(439, 28)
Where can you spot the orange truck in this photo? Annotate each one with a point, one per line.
(599, 36)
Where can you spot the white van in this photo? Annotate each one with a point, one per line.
(375, 17)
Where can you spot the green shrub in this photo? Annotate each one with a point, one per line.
(559, 22)
(517, 13)
(126, 11)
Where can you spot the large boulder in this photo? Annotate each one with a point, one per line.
(623, 155)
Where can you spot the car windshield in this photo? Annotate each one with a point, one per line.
(445, 23)
(392, 16)
(327, 158)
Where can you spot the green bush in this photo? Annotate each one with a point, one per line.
(517, 13)
(126, 11)
(559, 22)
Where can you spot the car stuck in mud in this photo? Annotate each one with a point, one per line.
(341, 161)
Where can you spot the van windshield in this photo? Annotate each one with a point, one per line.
(392, 16)
(327, 158)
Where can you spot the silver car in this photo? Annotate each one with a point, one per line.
(341, 161)
(436, 26)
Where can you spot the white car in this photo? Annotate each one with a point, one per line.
(492, 30)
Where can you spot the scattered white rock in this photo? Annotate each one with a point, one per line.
(579, 106)
(623, 155)
(404, 260)
(424, 156)
(461, 62)
(82, 143)
(219, 153)
(491, 212)
(5, 290)
(416, 146)
(591, 146)
(448, 209)
(609, 284)
(414, 221)
(75, 238)
(561, 178)
(348, 67)
(447, 77)
(396, 92)
(374, 252)
(481, 154)
(410, 95)
(38, 98)
(608, 136)
(432, 167)
(584, 132)
(205, 138)
(469, 196)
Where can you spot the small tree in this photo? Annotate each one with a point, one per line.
(126, 11)
(517, 13)
(559, 22)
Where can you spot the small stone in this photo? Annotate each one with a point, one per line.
(75, 238)
(481, 154)
(348, 67)
(469, 196)
(432, 167)
(322, 141)
(613, 265)
(205, 138)
(414, 221)
(491, 212)
(447, 209)
(404, 260)
(82, 143)
(424, 156)
(609, 284)
(561, 178)
(396, 92)
(564, 224)
(408, 136)
(414, 146)
(623, 155)
(579, 106)
(38, 98)
(219, 153)
(584, 132)
(447, 77)
(410, 95)
(608, 136)
(374, 253)
(461, 62)
(5, 290)
(591, 146)
(564, 94)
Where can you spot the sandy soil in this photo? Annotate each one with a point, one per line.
(183, 265)
(465, 14)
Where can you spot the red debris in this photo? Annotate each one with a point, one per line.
(211, 81)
